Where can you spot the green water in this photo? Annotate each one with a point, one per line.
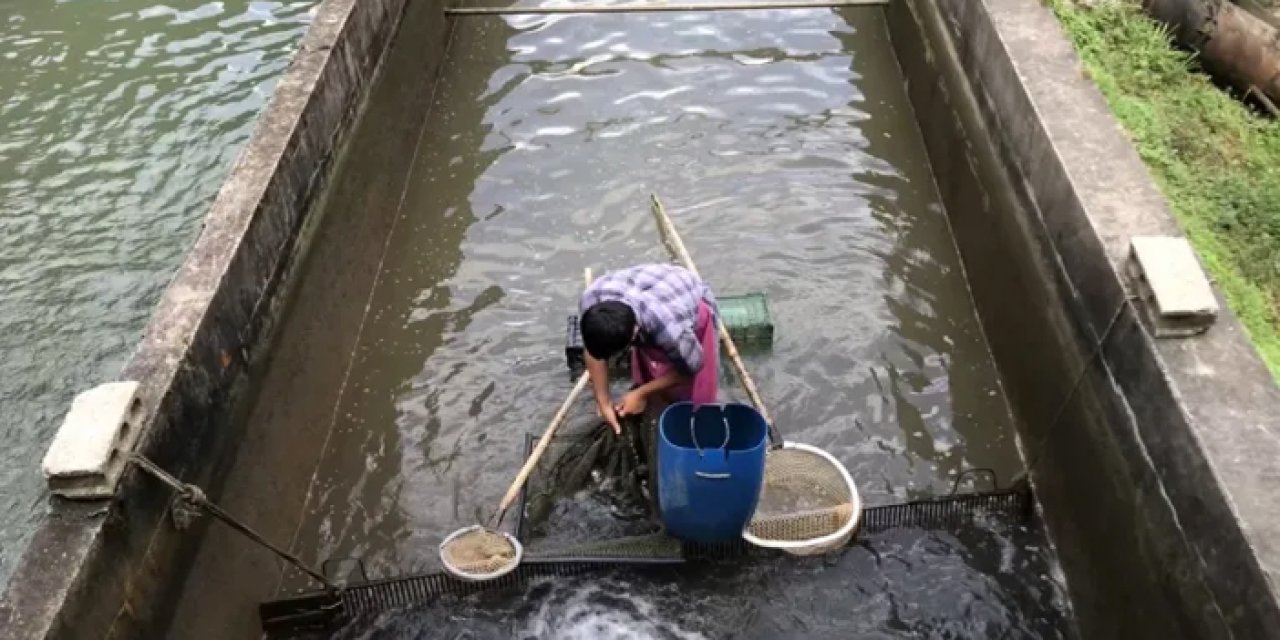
(118, 121)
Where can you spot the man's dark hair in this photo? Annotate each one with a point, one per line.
(607, 328)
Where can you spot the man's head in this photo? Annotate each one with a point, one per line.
(607, 328)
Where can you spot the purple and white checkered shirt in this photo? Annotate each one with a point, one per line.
(665, 299)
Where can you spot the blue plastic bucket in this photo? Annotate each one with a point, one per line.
(710, 469)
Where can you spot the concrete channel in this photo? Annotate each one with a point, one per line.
(1155, 481)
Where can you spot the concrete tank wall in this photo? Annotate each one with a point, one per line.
(1155, 474)
(110, 569)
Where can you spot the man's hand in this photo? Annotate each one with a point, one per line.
(610, 416)
(633, 403)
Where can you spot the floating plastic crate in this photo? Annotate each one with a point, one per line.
(747, 319)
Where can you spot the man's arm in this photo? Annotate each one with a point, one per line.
(685, 353)
(667, 380)
(635, 401)
(599, 372)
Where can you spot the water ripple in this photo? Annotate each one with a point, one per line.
(117, 123)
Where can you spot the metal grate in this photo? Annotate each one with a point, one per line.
(391, 593)
(320, 611)
(952, 512)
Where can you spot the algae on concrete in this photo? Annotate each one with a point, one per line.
(1216, 160)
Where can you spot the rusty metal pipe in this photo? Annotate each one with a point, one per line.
(1264, 10)
(1234, 45)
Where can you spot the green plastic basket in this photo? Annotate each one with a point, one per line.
(747, 319)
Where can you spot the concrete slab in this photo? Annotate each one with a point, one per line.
(1172, 287)
(84, 460)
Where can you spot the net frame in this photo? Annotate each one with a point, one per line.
(472, 576)
(821, 544)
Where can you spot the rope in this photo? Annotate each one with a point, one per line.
(1039, 449)
(193, 495)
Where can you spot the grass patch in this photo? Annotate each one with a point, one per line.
(1215, 160)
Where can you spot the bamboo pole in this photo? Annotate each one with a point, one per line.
(654, 7)
(671, 238)
(544, 442)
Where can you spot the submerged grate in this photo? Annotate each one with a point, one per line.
(952, 512)
(391, 593)
(321, 611)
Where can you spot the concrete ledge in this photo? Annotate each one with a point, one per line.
(110, 569)
(1158, 478)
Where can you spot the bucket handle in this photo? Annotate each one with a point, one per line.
(693, 435)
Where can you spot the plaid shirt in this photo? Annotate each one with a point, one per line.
(665, 299)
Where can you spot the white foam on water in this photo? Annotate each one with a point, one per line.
(602, 611)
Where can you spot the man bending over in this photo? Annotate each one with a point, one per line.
(667, 316)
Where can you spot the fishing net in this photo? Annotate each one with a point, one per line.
(584, 472)
(478, 553)
(808, 503)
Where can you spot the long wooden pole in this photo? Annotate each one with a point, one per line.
(671, 238)
(647, 7)
(544, 442)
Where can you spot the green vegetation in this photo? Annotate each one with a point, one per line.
(1217, 162)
